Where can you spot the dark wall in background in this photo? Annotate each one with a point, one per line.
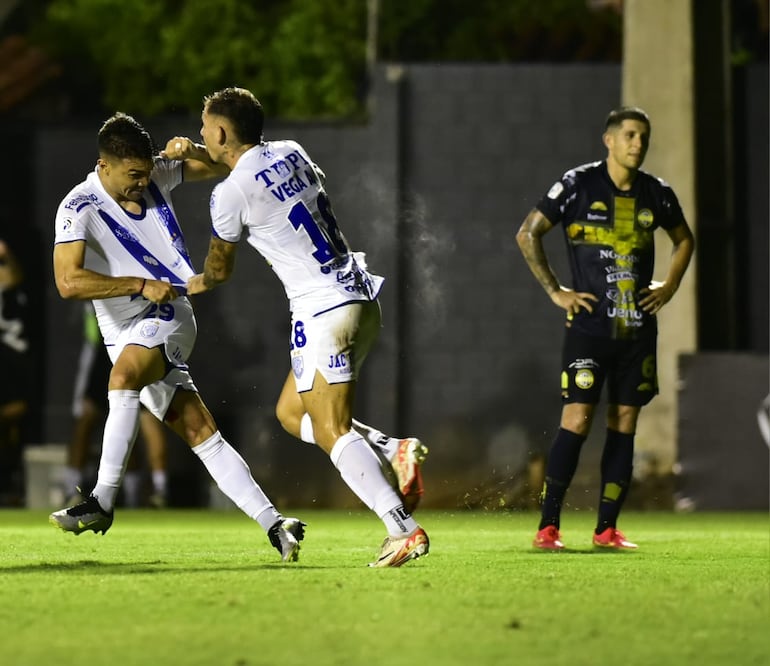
(724, 462)
(433, 189)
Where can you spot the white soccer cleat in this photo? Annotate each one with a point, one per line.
(397, 551)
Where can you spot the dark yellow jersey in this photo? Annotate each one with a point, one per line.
(609, 235)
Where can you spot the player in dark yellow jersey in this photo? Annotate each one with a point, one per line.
(609, 211)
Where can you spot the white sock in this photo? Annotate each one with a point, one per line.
(159, 482)
(132, 482)
(119, 434)
(306, 429)
(373, 437)
(234, 479)
(377, 440)
(72, 479)
(360, 469)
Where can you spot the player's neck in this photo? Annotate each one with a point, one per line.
(622, 177)
(231, 157)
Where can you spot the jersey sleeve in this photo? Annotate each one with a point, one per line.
(673, 216)
(227, 204)
(167, 174)
(71, 223)
(554, 203)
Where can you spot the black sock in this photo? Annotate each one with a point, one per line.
(562, 463)
(617, 467)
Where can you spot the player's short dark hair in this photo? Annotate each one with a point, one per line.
(123, 137)
(617, 116)
(242, 109)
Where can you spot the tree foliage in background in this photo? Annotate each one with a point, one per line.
(302, 58)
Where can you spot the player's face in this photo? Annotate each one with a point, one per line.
(125, 179)
(627, 145)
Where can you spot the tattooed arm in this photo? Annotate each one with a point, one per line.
(218, 267)
(530, 240)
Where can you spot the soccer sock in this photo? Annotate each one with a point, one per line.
(306, 429)
(119, 434)
(562, 463)
(132, 482)
(377, 440)
(72, 479)
(234, 479)
(617, 467)
(360, 469)
(159, 482)
(373, 437)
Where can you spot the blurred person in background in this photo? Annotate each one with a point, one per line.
(16, 373)
(609, 211)
(275, 194)
(118, 243)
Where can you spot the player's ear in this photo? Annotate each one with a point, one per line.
(607, 139)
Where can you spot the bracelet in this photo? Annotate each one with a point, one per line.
(144, 282)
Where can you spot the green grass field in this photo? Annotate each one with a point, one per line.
(203, 587)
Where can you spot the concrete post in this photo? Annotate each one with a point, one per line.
(658, 75)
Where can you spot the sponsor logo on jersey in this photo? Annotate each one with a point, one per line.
(81, 201)
(621, 275)
(598, 205)
(619, 296)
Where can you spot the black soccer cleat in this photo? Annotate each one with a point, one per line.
(87, 515)
(285, 535)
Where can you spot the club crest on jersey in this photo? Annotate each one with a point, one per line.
(298, 366)
(584, 379)
(645, 218)
(149, 329)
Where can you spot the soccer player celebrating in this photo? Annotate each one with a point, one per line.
(276, 194)
(609, 211)
(118, 243)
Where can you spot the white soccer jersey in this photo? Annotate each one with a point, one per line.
(121, 244)
(276, 193)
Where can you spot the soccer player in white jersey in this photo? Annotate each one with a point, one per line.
(276, 195)
(118, 243)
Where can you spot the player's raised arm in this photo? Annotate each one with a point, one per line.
(198, 165)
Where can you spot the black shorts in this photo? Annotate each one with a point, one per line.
(629, 368)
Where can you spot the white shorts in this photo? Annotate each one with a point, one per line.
(335, 342)
(172, 326)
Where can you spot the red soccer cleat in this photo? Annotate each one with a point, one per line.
(613, 538)
(410, 455)
(548, 539)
